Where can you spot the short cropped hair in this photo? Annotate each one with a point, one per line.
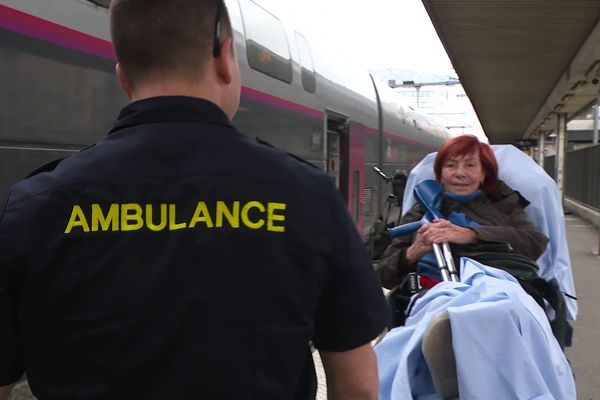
(153, 37)
(464, 145)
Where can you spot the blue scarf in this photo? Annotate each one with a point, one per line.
(427, 265)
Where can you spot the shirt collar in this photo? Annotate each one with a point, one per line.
(170, 109)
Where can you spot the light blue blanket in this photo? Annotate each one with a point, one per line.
(502, 340)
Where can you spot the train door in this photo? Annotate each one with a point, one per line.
(337, 151)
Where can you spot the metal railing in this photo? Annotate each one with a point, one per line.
(582, 175)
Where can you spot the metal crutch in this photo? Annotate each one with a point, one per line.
(428, 193)
(445, 262)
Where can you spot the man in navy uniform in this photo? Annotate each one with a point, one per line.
(176, 258)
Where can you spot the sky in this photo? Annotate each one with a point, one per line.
(375, 34)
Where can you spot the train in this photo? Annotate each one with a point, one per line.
(60, 94)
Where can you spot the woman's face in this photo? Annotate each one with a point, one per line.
(462, 174)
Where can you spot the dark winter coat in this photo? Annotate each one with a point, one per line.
(503, 220)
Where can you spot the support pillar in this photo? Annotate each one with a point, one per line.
(541, 148)
(561, 152)
(530, 151)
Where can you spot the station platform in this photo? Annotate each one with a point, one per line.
(583, 238)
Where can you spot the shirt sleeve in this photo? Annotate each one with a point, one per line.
(352, 310)
(11, 359)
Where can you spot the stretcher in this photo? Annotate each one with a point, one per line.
(482, 336)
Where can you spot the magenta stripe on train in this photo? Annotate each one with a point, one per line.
(265, 98)
(38, 28)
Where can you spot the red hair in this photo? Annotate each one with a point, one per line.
(462, 146)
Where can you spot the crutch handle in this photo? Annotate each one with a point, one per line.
(405, 229)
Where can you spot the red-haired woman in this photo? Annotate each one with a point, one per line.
(480, 209)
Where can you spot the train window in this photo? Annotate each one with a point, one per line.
(306, 64)
(266, 42)
(101, 3)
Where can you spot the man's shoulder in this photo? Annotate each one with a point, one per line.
(48, 167)
(291, 167)
(31, 183)
(284, 153)
(46, 176)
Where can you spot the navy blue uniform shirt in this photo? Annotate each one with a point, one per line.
(179, 259)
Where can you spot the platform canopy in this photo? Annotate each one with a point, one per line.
(522, 61)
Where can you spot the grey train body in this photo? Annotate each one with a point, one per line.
(60, 95)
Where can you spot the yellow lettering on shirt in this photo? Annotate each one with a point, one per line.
(131, 217)
(150, 219)
(272, 216)
(173, 224)
(231, 215)
(99, 220)
(201, 215)
(220, 214)
(246, 218)
(77, 220)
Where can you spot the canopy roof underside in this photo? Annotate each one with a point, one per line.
(522, 61)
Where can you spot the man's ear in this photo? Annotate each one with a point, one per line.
(224, 62)
(123, 81)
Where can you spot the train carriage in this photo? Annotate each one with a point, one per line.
(60, 95)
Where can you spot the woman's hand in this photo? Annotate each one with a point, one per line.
(419, 247)
(438, 231)
(442, 231)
